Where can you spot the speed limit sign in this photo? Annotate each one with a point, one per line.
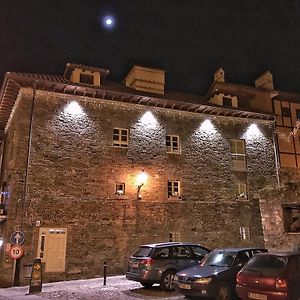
(16, 252)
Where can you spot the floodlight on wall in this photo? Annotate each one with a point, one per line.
(1, 242)
(141, 179)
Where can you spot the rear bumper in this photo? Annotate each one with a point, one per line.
(243, 293)
(144, 276)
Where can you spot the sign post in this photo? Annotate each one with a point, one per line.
(36, 277)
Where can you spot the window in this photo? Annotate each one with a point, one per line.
(291, 216)
(173, 188)
(245, 233)
(172, 142)
(120, 137)
(286, 112)
(241, 190)
(174, 236)
(227, 102)
(120, 188)
(238, 154)
(86, 78)
(298, 114)
(181, 252)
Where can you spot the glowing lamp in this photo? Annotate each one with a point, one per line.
(141, 179)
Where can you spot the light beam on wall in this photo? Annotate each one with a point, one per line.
(148, 120)
(74, 109)
(253, 132)
(208, 127)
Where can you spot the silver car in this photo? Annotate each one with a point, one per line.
(158, 263)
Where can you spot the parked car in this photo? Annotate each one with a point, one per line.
(158, 263)
(270, 276)
(215, 276)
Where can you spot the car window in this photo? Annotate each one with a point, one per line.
(199, 251)
(266, 265)
(182, 252)
(255, 251)
(242, 257)
(162, 252)
(143, 251)
(219, 259)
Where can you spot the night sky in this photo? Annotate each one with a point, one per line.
(190, 39)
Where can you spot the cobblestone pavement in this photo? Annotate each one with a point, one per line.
(118, 287)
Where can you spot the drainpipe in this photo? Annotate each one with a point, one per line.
(276, 154)
(28, 152)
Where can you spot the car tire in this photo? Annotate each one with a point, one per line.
(146, 284)
(224, 292)
(166, 282)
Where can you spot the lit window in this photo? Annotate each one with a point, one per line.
(120, 137)
(173, 188)
(286, 112)
(172, 143)
(86, 78)
(120, 188)
(238, 149)
(242, 190)
(245, 233)
(291, 215)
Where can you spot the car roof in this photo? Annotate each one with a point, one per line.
(168, 244)
(239, 249)
(281, 253)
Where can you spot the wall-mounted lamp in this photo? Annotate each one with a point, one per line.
(141, 179)
(1, 242)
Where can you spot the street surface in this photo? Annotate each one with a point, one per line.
(117, 287)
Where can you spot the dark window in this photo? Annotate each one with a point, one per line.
(182, 252)
(199, 251)
(142, 252)
(298, 114)
(291, 215)
(227, 102)
(162, 252)
(86, 78)
(266, 265)
(286, 112)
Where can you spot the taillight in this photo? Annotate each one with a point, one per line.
(238, 278)
(147, 261)
(281, 284)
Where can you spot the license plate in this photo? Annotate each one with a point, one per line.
(184, 286)
(134, 265)
(257, 296)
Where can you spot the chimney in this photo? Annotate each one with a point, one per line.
(265, 81)
(146, 79)
(219, 75)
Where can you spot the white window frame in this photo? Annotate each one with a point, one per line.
(242, 190)
(119, 142)
(235, 148)
(172, 148)
(245, 233)
(175, 184)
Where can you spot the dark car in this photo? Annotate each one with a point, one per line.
(158, 263)
(270, 276)
(215, 276)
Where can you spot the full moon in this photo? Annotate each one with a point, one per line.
(108, 22)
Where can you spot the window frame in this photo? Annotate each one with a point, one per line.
(227, 99)
(122, 184)
(118, 142)
(236, 155)
(83, 78)
(172, 192)
(286, 112)
(171, 148)
(289, 218)
(245, 233)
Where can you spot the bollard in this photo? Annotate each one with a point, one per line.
(104, 273)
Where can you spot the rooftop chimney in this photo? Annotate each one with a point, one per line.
(146, 79)
(219, 75)
(265, 81)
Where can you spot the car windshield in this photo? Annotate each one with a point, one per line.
(219, 259)
(268, 265)
(142, 252)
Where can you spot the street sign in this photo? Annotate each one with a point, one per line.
(17, 238)
(16, 252)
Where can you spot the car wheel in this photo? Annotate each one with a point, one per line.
(146, 284)
(166, 282)
(224, 292)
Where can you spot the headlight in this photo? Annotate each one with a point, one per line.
(175, 278)
(203, 280)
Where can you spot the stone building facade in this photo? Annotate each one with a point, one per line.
(72, 154)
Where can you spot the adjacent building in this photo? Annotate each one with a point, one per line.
(92, 168)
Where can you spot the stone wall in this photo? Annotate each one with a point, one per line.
(73, 169)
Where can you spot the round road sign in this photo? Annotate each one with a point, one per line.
(16, 252)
